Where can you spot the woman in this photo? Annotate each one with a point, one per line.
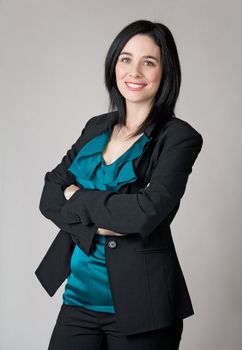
(114, 196)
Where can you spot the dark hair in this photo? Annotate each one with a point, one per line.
(167, 94)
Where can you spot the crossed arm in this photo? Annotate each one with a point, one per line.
(68, 193)
(136, 213)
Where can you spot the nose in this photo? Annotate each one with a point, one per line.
(135, 71)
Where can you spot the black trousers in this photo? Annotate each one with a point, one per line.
(77, 328)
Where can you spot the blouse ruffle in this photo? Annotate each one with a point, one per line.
(91, 171)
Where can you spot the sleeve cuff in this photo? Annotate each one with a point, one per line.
(69, 210)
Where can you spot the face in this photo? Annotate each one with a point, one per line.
(139, 70)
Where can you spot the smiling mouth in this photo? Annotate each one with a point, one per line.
(135, 86)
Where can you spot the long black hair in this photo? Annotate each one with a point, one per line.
(167, 94)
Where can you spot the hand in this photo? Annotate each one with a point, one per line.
(105, 232)
(70, 190)
(68, 193)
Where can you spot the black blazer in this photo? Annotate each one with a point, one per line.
(146, 280)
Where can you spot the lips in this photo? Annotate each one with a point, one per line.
(135, 86)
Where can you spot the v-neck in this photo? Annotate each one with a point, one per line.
(108, 133)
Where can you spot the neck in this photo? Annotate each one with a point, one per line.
(136, 114)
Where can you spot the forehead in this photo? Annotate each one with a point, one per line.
(143, 44)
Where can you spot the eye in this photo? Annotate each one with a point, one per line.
(125, 58)
(149, 63)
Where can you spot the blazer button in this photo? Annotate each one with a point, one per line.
(112, 244)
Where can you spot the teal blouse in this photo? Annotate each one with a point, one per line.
(87, 284)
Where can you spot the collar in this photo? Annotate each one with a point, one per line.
(103, 122)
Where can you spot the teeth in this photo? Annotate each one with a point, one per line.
(135, 85)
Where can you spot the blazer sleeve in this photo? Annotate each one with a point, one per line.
(52, 198)
(143, 211)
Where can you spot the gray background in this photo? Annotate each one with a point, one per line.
(51, 76)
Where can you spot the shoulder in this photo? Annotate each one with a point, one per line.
(178, 128)
(99, 119)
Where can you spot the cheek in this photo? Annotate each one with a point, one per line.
(120, 71)
(155, 78)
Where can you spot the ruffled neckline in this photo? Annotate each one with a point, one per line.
(90, 168)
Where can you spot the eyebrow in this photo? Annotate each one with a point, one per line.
(147, 56)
